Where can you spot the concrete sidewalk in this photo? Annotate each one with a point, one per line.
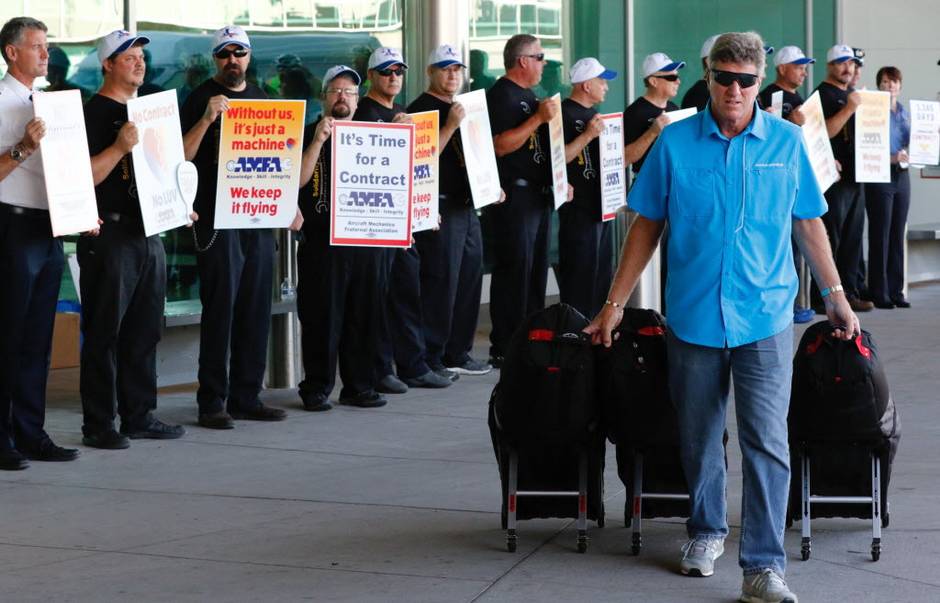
(402, 504)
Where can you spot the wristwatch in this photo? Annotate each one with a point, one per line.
(17, 153)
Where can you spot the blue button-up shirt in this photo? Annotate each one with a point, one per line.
(900, 129)
(730, 206)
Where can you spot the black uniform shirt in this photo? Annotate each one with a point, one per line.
(207, 156)
(697, 96)
(791, 100)
(314, 197)
(584, 169)
(637, 119)
(833, 99)
(371, 110)
(117, 193)
(509, 105)
(452, 171)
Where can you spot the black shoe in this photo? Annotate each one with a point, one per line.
(12, 460)
(367, 399)
(496, 362)
(471, 367)
(860, 305)
(390, 384)
(258, 413)
(216, 420)
(430, 380)
(316, 402)
(884, 305)
(447, 373)
(48, 451)
(106, 440)
(154, 430)
(901, 302)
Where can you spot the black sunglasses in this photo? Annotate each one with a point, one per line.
(237, 53)
(726, 78)
(400, 72)
(672, 77)
(538, 57)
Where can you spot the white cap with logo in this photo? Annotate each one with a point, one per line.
(231, 34)
(791, 55)
(840, 53)
(384, 57)
(337, 70)
(707, 46)
(660, 61)
(589, 68)
(444, 55)
(118, 41)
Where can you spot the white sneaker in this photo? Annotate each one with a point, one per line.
(766, 587)
(699, 554)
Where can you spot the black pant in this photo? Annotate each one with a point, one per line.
(337, 304)
(400, 337)
(845, 223)
(585, 259)
(235, 288)
(123, 285)
(520, 260)
(887, 205)
(31, 263)
(451, 282)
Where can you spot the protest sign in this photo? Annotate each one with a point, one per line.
(613, 168)
(556, 144)
(776, 103)
(872, 140)
(157, 157)
(372, 173)
(424, 202)
(925, 133)
(816, 138)
(66, 164)
(680, 114)
(259, 164)
(476, 139)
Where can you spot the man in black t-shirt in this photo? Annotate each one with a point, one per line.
(235, 266)
(337, 287)
(791, 65)
(451, 272)
(845, 219)
(645, 118)
(697, 96)
(123, 271)
(585, 247)
(520, 225)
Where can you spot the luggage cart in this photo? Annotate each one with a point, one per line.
(634, 517)
(878, 518)
(513, 494)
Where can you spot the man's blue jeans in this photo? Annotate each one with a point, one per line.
(700, 380)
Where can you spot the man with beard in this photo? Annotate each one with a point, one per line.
(401, 341)
(123, 276)
(31, 259)
(235, 266)
(791, 71)
(339, 287)
(845, 219)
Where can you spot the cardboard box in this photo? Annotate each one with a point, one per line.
(65, 348)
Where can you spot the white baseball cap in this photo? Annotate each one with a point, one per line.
(840, 53)
(660, 61)
(384, 57)
(444, 55)
(118, 41)
(791, 55)
(589, 68)
(337, 70)
(230, 34)
(707, 46)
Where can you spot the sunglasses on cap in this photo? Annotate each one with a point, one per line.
(671, 77)
(237, 53)
(726, 78)
(399, 71)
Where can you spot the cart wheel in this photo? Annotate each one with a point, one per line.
(511, 541)
(805, 549)
(876, 549)
(804, 554)
(582, 544)
(637, 544)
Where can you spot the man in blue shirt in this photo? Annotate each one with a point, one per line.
(733, 184)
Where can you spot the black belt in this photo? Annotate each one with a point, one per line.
(18, 210)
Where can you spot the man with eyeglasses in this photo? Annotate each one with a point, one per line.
(338, 288)
(845, 220)
(31, 259)
(646, 117)
(520, 225)
(401, 347)
(123, 271)
(732, 183)
(451, 269)
(236, 266)
(790, 64)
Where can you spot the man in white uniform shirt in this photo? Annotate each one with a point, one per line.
(31, 260)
